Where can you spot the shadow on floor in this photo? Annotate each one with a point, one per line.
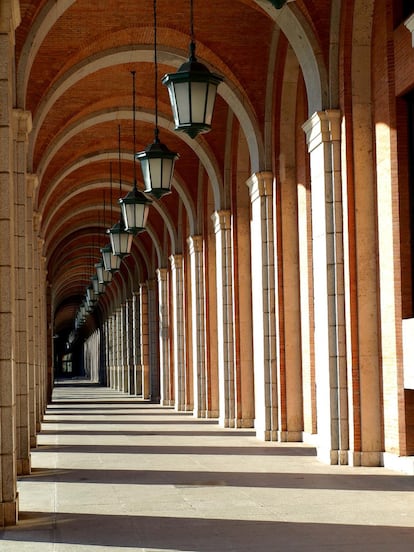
(206, 535)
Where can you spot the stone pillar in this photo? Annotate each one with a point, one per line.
(124, 348)
(144, 337)
(136, 351)
(323, 138)
(31, 184)
(264, 305)
(8, 457)
(200, 378)
(111, 352)
(166, 395)
(119, 361)
(178, 331)
(225, 329)
(37, 327)
(22, 127)
(154, 357)
(130, 345)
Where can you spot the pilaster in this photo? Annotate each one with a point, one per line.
(200, 377)
(178, 331)
(264, 305)
(8, 446)
(166, 394)
(22, 126)
(225, 323)
(323, 138)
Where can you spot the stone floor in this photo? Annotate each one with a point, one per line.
(113, 473)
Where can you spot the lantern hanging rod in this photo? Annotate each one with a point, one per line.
(119, 160)
(110, 186)
(156, 131)
(134, 134)
(191, 21)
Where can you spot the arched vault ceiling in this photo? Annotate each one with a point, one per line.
(74, 61)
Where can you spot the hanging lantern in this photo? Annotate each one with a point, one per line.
(157, 164)
(98, 287)
(104, 276)
(192, 90)
(134, 209)
(121, 240)
(111, 262)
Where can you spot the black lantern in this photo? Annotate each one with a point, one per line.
(111, 262)
(157, 161)
(121, 240)
(98, 287)
(134, 209)
(104, 277)
(192, 90)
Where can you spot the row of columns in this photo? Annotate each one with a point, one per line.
(306, 394)
(24, 379)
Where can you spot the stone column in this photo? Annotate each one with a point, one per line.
(22, 127)
(144, 337)
(200, 378)
(124, 348)
(136, 351)
(166, 396)
(130, 345)
(31, 185)
(119, 361)
(154, 343)
(178, 331)
(111, 352)
(141, 341)
(37, 328)
(8, 457)
(225, 329)
(323, 138)
(264, 305)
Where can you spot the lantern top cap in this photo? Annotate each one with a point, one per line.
(157, 149)
(193, 70)
(135, 196)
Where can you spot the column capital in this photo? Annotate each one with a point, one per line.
(162, 274)
(37, 219)
(260, 184)
(322, 126)
(195, 244)
(221, 220)
(176, 261)
(32, 182)
(22, 124)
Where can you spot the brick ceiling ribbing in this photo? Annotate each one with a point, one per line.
(235, 40)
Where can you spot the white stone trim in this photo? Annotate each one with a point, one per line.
(409, 23)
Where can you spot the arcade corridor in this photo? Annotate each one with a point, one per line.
(207, 211)
(115, 473)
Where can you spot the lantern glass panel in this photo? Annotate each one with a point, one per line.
(183, 106)
(198, 101)
(212, 92)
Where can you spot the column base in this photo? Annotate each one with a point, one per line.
(24, 466)
(167, 402)
(245, 423)
(367, 459)
(289, 436)
(9, 512)
(266, 434)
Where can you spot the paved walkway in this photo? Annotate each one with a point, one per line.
(112, 473)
